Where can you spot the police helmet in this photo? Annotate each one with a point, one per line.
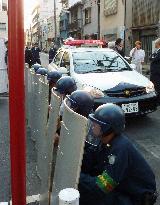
(53, 76)
(110, 117)
(81, 102)
(42, 71)
(36, 66)
(66, 85)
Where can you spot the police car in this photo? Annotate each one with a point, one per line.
(108, 77)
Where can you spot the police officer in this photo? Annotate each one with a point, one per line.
(53, 77)
(52, 53)
(81, 102)
(28, 56)
(65, 86)
(155, 69)
(35, 52)
(115, 173)
(36, 66)
(42, 71)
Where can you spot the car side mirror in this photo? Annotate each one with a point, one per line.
(133, 66)
(63, 70)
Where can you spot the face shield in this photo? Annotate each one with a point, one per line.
(95, 131)
(71, 103)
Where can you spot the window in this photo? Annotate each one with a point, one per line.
(98, 62)
(2, 26)
(110, 7)
(87, 15)
(4, 7)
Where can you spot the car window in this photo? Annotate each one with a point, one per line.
(101, 61)
(57, 58)
(65, 61)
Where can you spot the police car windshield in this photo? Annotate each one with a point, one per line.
(98, 61)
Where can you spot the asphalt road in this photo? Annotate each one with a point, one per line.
(145, 133)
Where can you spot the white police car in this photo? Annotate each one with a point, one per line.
(108, 77)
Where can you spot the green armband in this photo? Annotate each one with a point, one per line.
(105, 182)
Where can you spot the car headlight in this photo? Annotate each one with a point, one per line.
(96, 93)
(150, 88)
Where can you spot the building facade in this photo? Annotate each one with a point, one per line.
(3, 19)
(64, 21)
(112, 19)
(75, 26)
(90, 19)
(36, 33)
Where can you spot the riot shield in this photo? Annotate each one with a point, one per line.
(48, 149)
(70, 152)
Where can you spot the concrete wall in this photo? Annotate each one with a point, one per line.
(112, 26)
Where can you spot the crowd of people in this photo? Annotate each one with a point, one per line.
(32, 55)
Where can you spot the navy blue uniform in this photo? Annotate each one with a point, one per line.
(52, 53)
(35, 53)
(155, 72)
(116, 174)
(28, 57)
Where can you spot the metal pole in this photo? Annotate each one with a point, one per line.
(17, 101)
(125, 15)
(55, 20)
(98, 4)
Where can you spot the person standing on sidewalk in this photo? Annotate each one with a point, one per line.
(138, 56)
(155, 68)
(35, 52)
(119, 46)
(52, 53)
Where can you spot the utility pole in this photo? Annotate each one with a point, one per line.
(98, 4)
(55, 21)
(125, 14)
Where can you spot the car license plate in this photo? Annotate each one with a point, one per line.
(130, 107)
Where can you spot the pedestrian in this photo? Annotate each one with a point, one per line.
(52, 53)
(119, 46)
(137, 55)
(155, 69)
(115, 173)
(35, 52)
(28, 56)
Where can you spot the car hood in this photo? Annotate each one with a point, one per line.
(104, 81)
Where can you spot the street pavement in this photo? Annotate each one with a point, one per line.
(144, 132)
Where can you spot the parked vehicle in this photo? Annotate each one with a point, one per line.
(109, 77)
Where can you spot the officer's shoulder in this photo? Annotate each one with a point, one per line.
(123, 141)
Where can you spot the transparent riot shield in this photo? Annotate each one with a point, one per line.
(26, 69)
(70, 152)
(49, 149)
(29, 92)
(37, 110)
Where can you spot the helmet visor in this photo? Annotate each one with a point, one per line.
(71, 103)
(94, 133)
(96, 130)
